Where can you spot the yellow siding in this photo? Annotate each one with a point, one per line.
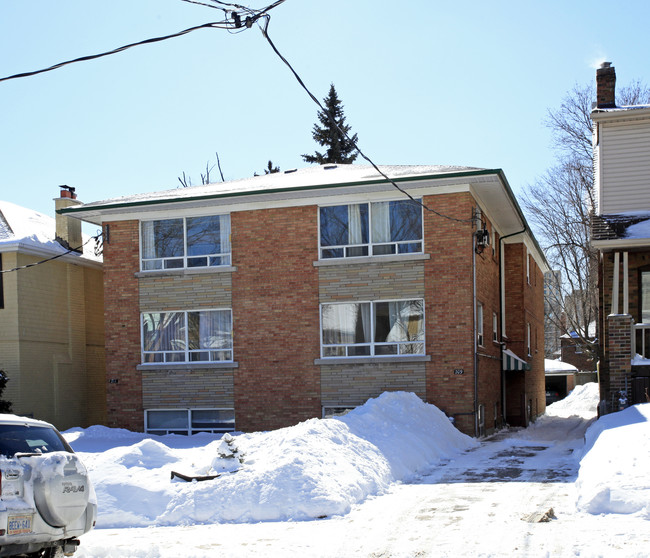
(52, 327)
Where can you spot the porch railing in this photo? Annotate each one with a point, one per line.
(641, 340)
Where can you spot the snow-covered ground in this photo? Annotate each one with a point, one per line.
(391, 478)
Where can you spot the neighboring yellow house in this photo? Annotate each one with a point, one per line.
(51, 317)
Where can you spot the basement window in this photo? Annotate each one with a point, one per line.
(188, 421)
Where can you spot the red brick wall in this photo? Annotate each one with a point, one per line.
(529, 297)
(449, 314)
(489, 361)
(276, 317)
(121, 310)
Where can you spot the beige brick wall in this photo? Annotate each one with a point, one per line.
(173, 389)
(354, 384)
(185, 292)
(371, 281)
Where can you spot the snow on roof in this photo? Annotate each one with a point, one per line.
(322, 175)
(639, 230)
(558, 367)
(623, 108)
(23, 229)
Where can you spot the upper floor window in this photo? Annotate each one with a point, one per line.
(186, 242)
(381, 328)
(198, 336)
(370, 229)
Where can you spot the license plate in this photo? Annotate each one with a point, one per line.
(19, 524)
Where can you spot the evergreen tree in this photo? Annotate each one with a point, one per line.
(5, 406)
(333, 133)
(270, 169)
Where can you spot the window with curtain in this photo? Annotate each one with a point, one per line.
(377, 229)
(381, 328)
(185, 242)
(195, 336)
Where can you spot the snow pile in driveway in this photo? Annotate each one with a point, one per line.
(613, 475)
(316, 468)
(582, 402)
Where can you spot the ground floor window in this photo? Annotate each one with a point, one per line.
(188, 421)
(379, 328)
(197, 336)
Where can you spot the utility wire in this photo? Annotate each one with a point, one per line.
(238, 22)
(78, 249)
(265, 31)
(114, 51)
(250, 16)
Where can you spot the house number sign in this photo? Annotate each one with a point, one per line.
(459, 371)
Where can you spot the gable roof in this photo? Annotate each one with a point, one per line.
(26, 230)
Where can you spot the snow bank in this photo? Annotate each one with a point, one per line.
(582, 402)
(314, 469)
(613, 475)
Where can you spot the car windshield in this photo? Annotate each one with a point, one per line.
(23, 438)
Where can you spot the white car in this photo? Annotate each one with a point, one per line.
(46, 499)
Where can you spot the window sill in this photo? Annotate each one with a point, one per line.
(186, 271)
(371, 360)
(186, 365)
(372, 259)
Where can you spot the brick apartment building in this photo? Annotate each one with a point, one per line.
(258, 303)
(621, 233)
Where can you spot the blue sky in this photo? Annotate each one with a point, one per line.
(422, 82)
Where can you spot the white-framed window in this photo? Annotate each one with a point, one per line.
(379, 328)
(479, 324)
(187, 336)
(528, 340)
(185, 242)
(188, 421)
(370, 229)
(527, 267)
(495, 327)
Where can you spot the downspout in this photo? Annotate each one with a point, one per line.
(501, 313)
(474, 300)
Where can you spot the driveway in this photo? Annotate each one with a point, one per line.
(513, 496)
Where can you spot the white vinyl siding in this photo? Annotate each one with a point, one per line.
(624, 160)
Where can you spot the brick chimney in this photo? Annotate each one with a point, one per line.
(605, 86)
(68, 229)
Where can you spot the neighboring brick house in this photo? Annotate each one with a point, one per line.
(51, 317)
(258, 303)
(621, 233)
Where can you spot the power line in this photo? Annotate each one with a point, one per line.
(241, 18)
(34, 264)
(265, 31)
